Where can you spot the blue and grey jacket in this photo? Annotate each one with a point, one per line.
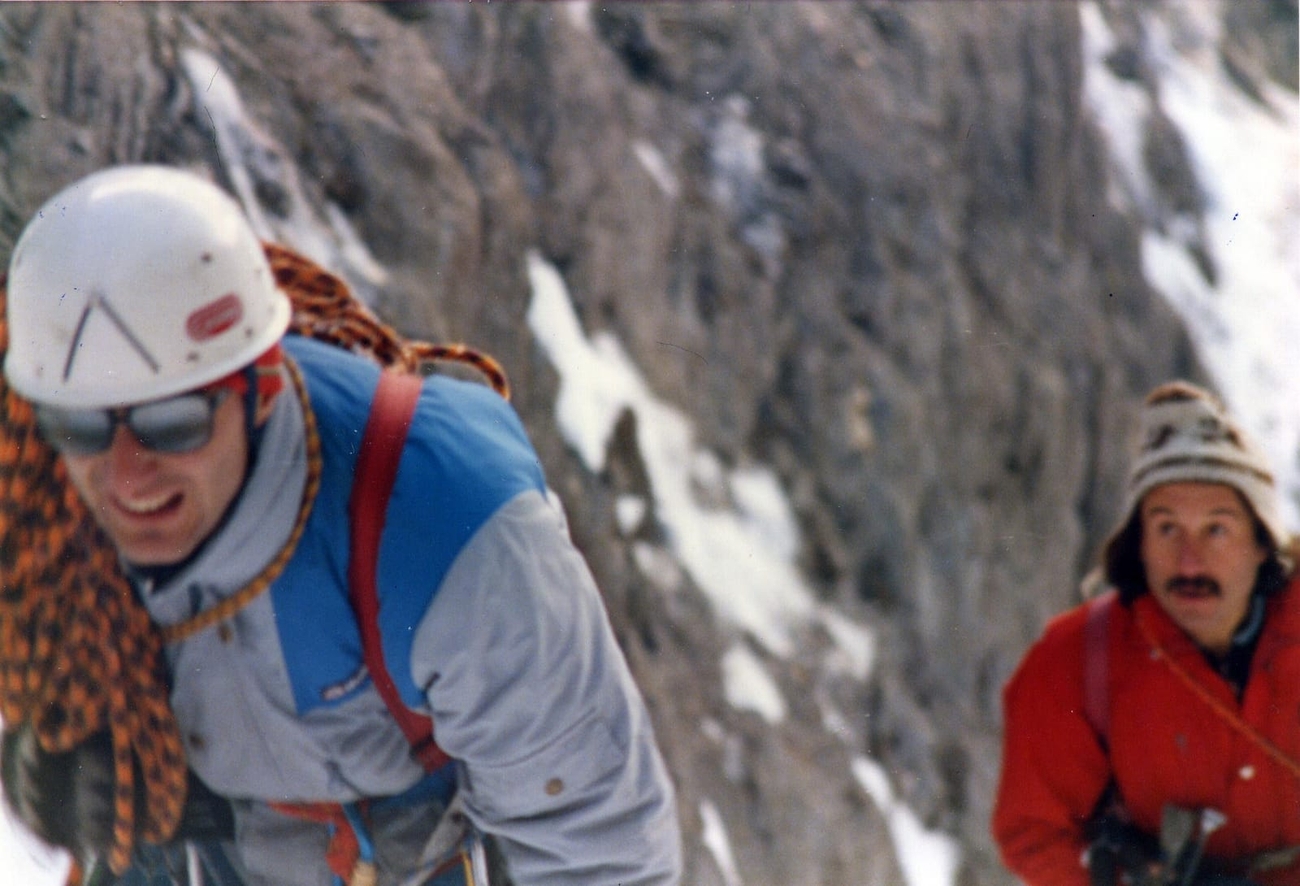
(490, 621)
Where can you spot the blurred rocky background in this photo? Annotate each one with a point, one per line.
(868, 245)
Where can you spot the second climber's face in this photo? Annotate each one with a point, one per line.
(1201, 558)
(159, 506)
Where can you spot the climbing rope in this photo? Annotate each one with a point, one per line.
(78, 652)
(324, 309)
(245, 595)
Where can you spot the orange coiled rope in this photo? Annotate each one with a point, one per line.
(324, 309)
(78, 652)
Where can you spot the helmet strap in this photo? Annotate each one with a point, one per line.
(258, 383)
(252, 427)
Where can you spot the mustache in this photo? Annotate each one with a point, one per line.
(1201, 584)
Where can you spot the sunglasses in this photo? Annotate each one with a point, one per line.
(178, 424)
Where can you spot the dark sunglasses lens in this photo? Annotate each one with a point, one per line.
(180, 424)
(75, 431)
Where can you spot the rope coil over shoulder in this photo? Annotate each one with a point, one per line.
(78, 652)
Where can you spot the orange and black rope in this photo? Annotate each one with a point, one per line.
(324, 309)
(78, 652)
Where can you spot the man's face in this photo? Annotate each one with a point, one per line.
(159, 507)
(1201, 558)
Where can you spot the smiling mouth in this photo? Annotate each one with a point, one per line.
(150, 507)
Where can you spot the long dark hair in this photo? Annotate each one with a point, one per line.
(1122, 561)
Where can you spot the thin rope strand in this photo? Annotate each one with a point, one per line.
(250, 592)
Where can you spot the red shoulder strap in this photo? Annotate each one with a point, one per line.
(1096, 665)
(381, 449)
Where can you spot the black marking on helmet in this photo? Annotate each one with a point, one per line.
(97, 300)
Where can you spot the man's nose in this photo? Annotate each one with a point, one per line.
(127, 457)
(1191, 560)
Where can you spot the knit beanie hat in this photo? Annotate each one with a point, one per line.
(1188, 436)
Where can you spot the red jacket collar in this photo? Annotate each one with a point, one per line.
(1282, 621)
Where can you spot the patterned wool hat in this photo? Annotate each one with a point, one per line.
(1188, 436)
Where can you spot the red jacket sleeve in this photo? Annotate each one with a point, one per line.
(1054, 769)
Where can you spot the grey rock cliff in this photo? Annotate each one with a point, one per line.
(865, 244)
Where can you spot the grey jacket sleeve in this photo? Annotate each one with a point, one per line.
(529, 690)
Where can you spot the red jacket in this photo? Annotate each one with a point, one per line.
(1167, 745)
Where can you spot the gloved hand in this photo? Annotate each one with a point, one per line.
(65, 799)
(1122, 855)
(207, 816)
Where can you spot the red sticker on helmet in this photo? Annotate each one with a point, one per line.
(214, 318)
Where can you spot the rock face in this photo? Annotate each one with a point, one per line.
(867, 245)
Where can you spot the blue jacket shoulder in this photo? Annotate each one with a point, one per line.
(466, 455)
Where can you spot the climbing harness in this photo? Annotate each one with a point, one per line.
(381, 448)
(1096, 665)
(350, 852)
(78, 652)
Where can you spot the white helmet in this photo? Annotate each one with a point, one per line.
(136, 283)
